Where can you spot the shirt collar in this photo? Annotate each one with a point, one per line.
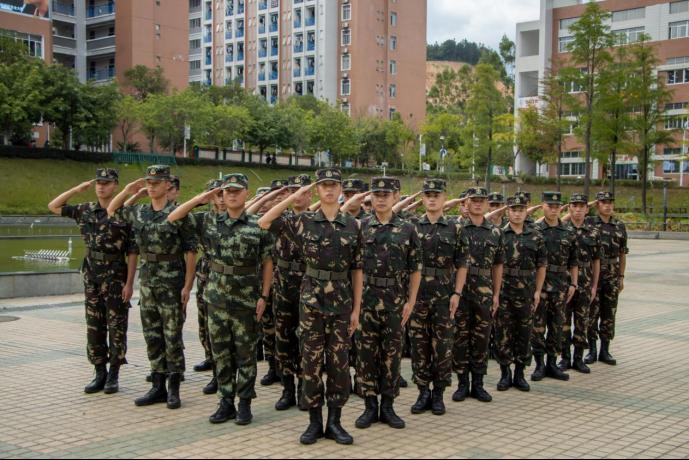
(340, 218)
(426, 221)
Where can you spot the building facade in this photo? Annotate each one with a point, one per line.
(542, 42)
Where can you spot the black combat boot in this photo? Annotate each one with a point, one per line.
(592, 357)
(519, 381)
(149, 377)
(244, 415)
(578, 361)
(423, 403)
(566, 361)
(225, 412)
(370, 414)
(477, 390)
(173, 400)
(333, 428)
(212, 387)
(289, 396)
(403, 383)
(437, 403)
(98, 382)
(388, 415)
(463, 389)
(112, 385)
(300, 390)
(272, 376)
(605, 356)
(157, 393)
(539, 372)
(505, 378)
(314, 432)
(554, 372)
(204, 366)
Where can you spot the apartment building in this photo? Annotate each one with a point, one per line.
(542, 42)
(365, 56)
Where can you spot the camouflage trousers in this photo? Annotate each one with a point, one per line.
(202, 308)
(234, 337)
(431, 333)
(577, 312)
(324, 342)
(107, 317)
(513, 327)
(549, 318)
(162, 320)
(268, 330)
(603, 311)
(286, 308)
(473, 323)
(379, 353)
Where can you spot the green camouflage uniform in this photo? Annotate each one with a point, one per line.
(202, 271)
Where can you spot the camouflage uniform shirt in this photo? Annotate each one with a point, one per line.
(524, 252)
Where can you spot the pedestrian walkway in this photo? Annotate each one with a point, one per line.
(638, 409)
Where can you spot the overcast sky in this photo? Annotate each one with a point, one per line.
(478, 20)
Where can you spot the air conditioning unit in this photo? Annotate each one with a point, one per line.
(345, 25)
(346, 50)
(345, 75)
(345, 99)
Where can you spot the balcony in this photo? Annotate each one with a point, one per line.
(194, 73)
(273, 27)
(228, 35)
(240, 56)
(261, 77)
(310, 21)
(100, 10)
(311, 46)
(63, 8)
(299, 48)
(273, 51)
(64, 42)
(262, 53)
(297, 23)
(240, 9)
(240, 33)
(100, 43)
(208, 38)
(297, 73)
(263, 5)
(310, 72)
(194, 9)
(274, 75)
(229, 11)
(261, 28)
(194, 51)
(229, 57)
(525, 102)
(195, 30)
(209, 15)
(273, 100)
(209, 60)
(102, 74)
(207, 82)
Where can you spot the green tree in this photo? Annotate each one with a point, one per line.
(226, 123)
(96, 119)
(332, 131)
(558, 109)
(444, 130)
(450, 91)
(62, 99)
(128, 112)
(144, 81)
(508, 55)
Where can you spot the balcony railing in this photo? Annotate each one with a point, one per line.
(310, 21)
(240, 9)
(195, 9)
(195, 30)
(100, 10)
(262, 5)
(262, 28)
(102, 74)
(310, 71)
(273, 100)
(297, 72)
(261, 77)
(209, 15)
(274, 75)
(228, 35)
(100, 43)
(65, 42)
(273, 51)
(194, 51)
(63, 8)
(209, 60)
(262, 53)
(273, 27)
(207, 38)
(240, 33)
(229, 57)
(311, 46)
(297, 23)
(299, 48)
(229, 11)
(240, 56)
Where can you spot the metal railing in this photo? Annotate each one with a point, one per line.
(102, 74)
(146, 158)
(311, 46)
(99, 43)
(65, 42)
(310, 22)
(63, 8)
(100, 10)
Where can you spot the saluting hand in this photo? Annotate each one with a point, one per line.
(136, 186)
(206, 197)
(84, 186)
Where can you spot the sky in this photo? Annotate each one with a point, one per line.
(483, 21)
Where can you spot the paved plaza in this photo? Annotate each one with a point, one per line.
(638, 409)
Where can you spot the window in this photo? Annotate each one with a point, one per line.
(626, 36)
(346, 108)
(346, 12)
(346, 87)
(672, 151)
(195, 45)
(573, 169)
(575, 154)
(157, 27)
(33, 43)
(676, 122)
(393, 91)
(676, 106)
(564, 44)
(678, 77)
(678, 60)
(393, 19)
(194, 65)
(393, 43)
(679, 7)
(393, 67)
(193, 4)
(566, 23)
(572, 87)
(346, 62)
(392, 112)
(670, 166)
(346, 37)
(629, 15)
(679, 29)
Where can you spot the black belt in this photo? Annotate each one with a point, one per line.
(518, 272)
(325, 275)
(557, 269)
(293, 267)
(436, 272)
(148, 257)
(381, 282)
(232, 269)
(103, 257)
(480, 271)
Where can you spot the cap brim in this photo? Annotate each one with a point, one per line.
(233, 186)
(157, 178)
(337, 181)
(390, 190)
(106, 179)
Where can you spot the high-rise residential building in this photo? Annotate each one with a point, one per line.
(365, 56)
(543, 43)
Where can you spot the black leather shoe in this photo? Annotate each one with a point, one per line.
(112, 385)
(519, 382)
(505, 378)
(578, 362)
(289, 397)
(314, 431)
(423, 403)
(403, 383)
(225, 412)
(333, 428)
(605, 357)
(272, 376)
(437, 402)
(157, 393)
(539, 372)
(477, 390)
(463, 389)
(592, 357)
(554, 372)
(388, 415)
(212, 387)
(98, 382)
(370, 414)
(173, 400)
(204, 366)
(244, 415)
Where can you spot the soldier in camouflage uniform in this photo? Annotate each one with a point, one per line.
(331, 244)
(202, 272)
(431, 328)
(577, 311)
(241, 272)
(614, 250)
(480, 300)
(523, 276)
(496, 201)
(392, 273)
(350, 188)
(560, 287)
(529, 221)
(167, 270)
(174, 190)
(108, 271)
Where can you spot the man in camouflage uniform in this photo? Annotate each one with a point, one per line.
(202, 272)
(331, 244)
(350, 188)
(174, 190)
(431, 328)
(392, 249)
(480, 300)
(108, 271)
(614, 250)
(241, 272)
(167, 270)
(496, 201)
(529, 221)
(577, 311)
(560, 287)
(524, 273)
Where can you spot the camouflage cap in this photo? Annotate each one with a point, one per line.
(175, 182)
(354, 185)
(578, 198)
(516, 201)
(552, 198)
(477, 192)
(525, 195)
(328, 175)
(262, 191)
(367, 188)
(496, 198)
(278, 183)
(398, 184)
(235, 181)
(213, 184)
(383, 184)
(434, 185)
(605, 196)
(158, 172)
(463, 195)
(299, 181)
(107, 175)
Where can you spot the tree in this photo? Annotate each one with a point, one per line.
(12, 51)
(128, 112)
(143, 81)
(445, 130)
(62, 99)
(264, 132)
(227, 123)
(554, 122)
(96, 119)
(508, 55)
(589, 53)
(450, 91)
(333, 132)
(528, 137)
